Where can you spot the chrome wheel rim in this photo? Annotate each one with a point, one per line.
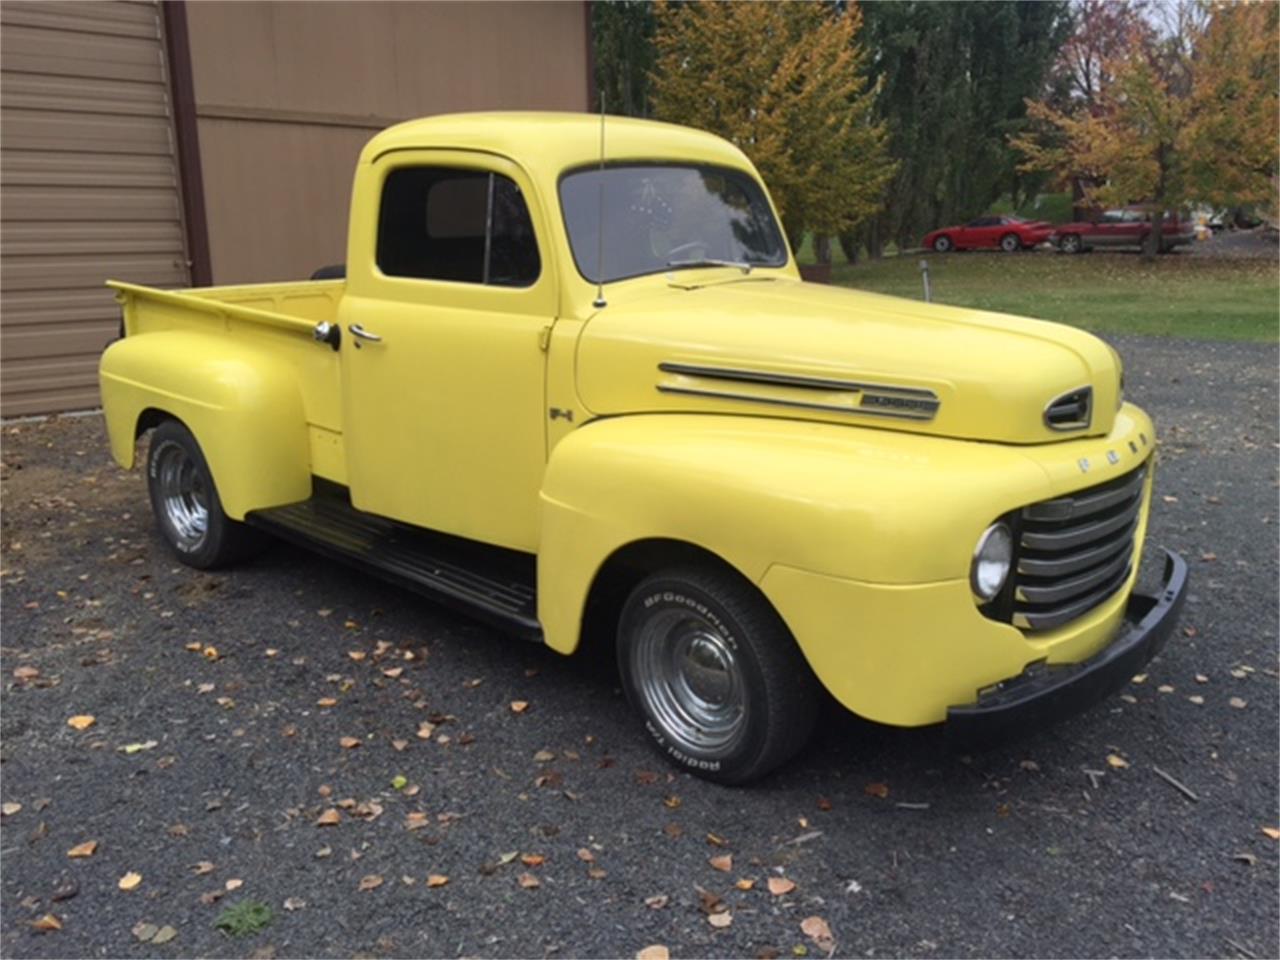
(1010, 244)
(692, 683)
(183, 496)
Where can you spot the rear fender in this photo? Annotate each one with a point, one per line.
(243, 406)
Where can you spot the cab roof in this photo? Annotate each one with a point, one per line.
(549, 143)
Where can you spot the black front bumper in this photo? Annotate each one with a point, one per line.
(1043, 694)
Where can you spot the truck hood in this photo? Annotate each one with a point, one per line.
(779, 347)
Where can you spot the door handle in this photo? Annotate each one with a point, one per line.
(363, 334)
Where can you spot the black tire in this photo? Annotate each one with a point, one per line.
(186, 505)
(943, 244)
(716, 618)
(1010, 243)
(1070, 243)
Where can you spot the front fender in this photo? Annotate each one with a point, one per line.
(840, 501)
(243, 406)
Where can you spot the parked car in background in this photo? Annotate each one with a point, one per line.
(1009, 234)
(1123, 227)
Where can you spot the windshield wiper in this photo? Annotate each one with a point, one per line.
(709, 262)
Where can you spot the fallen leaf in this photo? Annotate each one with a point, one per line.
(393, 672)
(323, 852)
(528, 881)
(708, 902)
(717, 841)
(595, 873)
(25, 673)
(195, 646)
(437, 880)
(164, 935)
(233, 884)
(586, 856)
(657, 902)
(1196, 699)
(349, 743)
(672, 802)
(330, 818)
(1201, 678)
(1272, 832)
(9, 809)
(356, 655)
(1139, 678)
(720, 920)
(204, 866)
(543, 756)
(370, 881)
(655, 951)
(416, 820)
(506, 858)
(1164, 688)
(82, 721)
(1208, 557)
(724, 863)
(817, 930)
(1238, 703)
(211, 653)
(399, 745)
(1117, 761)
(824, 804)
(744, 883)
(519, 706)
(880, 790)
(533, 859)
(326, 702)
(1248, 858)
(145, 931)
(85, 849)
(425, 730)
(129, 881)
(294, 903)
(46, 924)
(673, 830)
(131, 748)
(779, 886)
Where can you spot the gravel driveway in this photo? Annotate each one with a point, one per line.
(221, 703)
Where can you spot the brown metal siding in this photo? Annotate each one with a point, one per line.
(282, 121)
(88, 190)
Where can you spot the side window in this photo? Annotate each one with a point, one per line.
(439, 223)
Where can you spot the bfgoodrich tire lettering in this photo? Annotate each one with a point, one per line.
(724, 691)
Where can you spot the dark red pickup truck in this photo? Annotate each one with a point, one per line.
(1124, 227)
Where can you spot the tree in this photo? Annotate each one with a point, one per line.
(1181, 115)
(785, 83)
(953, 78)
(622, 41)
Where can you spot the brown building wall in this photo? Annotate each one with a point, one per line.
(286, 94)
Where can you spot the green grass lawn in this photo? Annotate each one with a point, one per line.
(1175, 295)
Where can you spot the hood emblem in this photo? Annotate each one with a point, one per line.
(859, 398)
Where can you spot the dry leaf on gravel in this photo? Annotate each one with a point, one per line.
(326, 702)
(1272, 832)
(129, 881)
(25, 673)
(657, 902)
(425, 730)
(543, 756)
(204, 866)
(235, 883)
(370, 881)
(399, 745)
(817, 930)
(723, 863)
(437, 880)
(82, 721)
(528, 881)
(416, 820)
(85, 849)
(9, 809)
(595, 873)
(145, 931)
(164, 935)
(349, 743)
(585, 855)
(330, 818)
(1238, 703)
(533, 859)
(716, 840)
(744, 883)
(46, 924)
(880, 790)
(519, 706)
(720, 920)
(393, 673)
(655, 951)
(356, 655)
(1117, 761)
(294, 903)
(779, 886)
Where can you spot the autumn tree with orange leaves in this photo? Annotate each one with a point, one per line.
(1179, 116)
(785, 82)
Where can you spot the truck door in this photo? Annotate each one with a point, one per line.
(448, 297)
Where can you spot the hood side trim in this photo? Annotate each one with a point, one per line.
(791, 380)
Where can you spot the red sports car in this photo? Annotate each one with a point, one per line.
(1009, 234)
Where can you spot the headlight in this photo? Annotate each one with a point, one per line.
(992, 558)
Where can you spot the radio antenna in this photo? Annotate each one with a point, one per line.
(599, 300)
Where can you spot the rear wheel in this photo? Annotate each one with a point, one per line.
(724, 691)
(943, 244)
(1070, 243)
(186, 504)
(1010, 243)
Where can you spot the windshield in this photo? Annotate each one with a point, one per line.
(659, 218)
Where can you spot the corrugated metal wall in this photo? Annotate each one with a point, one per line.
(88, 190)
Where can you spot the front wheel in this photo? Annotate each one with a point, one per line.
(943, 244)
(186, 504)
(724, 691)
(1070, 243)
(1010, 243)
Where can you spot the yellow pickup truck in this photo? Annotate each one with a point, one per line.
(569, 380)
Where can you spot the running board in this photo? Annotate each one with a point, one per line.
(490, 583)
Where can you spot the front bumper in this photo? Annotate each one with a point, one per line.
(1042, 694)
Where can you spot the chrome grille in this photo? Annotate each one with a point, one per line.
(1076, 551)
